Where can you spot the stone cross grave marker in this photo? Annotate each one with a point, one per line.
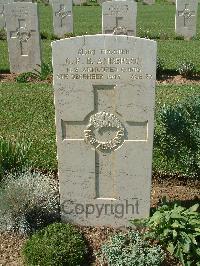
(186, 17)
(23, 37)
(119, 17)
(104, 101)
(62, 17)
(2, 17)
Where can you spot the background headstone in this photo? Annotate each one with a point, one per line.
(23, 36)
(104, 101)
(62, 17)
(2, 16)
(186, 18)
(119, 17)
(100, 2)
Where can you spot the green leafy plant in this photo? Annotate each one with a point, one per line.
(187, 69)
(28, 201)
(56, 245)
(44, 35)
(69, 34)
(13, 156)
(179, 37)
(178, 229)
(24, 77)
(3, 35)
(179, 137)
(44, 73)
(52, 36)
(131, 250)
(46, 70)
(159, 67)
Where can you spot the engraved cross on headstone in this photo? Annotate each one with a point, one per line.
(23, 34)
(62, 13)
(105, 106)
(186, 14)
(119, 12)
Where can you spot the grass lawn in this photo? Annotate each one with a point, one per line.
(155, 22)
(27, 111)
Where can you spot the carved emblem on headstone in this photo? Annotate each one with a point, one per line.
(186, 13)
(23, 34)
(100, 121)
(120, 31)
(63, 12)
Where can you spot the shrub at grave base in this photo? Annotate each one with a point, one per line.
(178, 135)
(130, 250)
(187, 69)
(159, 67)
(56, 245)
(44, 73)
(177, 229)
(2, 34)
(25, 77)
(28, 201)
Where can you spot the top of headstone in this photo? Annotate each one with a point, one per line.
(104, 36)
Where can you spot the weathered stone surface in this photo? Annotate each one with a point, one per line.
(23, 36)
(186, 18)
(119, 17)
(104, 101)
(62, 17)
(2, 16)
(100, 2)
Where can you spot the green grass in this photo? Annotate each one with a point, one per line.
(27, 111)
(155, 22)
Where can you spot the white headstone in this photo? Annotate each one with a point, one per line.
(119, 17)
(62, 17)
(186, 18)
(23, 36)
(104, 101)
(2, 16)
(100, 2)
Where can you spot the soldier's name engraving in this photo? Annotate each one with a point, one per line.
(118, 9)
(103, 64)
(23, 11)
(103, 60)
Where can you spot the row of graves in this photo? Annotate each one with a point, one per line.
(118, 17)
(104, 94)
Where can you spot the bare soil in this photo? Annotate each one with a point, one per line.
(177, 79)
(173, 188)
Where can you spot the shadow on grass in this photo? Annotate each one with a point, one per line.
(4, 71)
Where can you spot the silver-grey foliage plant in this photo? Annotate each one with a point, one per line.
(28, 201)
(130, 250)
